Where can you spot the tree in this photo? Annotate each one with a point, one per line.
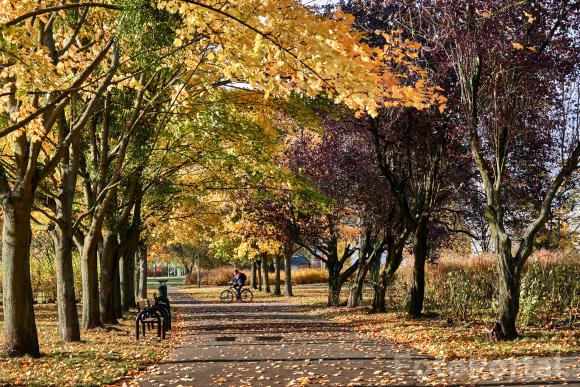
(27, 125)
(508, 88)
(417, 151)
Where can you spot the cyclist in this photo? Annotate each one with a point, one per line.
(238, 282)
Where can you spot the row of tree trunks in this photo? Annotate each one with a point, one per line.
(20, 336)
(259, 275)
(260, 279)
(130, 251)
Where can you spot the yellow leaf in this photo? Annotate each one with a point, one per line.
(517, 46)
(530, 17)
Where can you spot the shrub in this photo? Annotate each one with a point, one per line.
(215, 277)
(466, 290)
(309, 276)
(304, 276)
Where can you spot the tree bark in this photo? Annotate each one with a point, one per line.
(277, 264)
(136, 274)
(68, 319)
(420, 249)
(20, 336)
(117, 302)
(509, 294)
(266, 275)
(288, 275)
(62, 235)
(127, 271)
(253, 276)
(355, 294)
(394, 259)
(197, 273)
(142, 271)
(90, 281)
(334, 282)
(259, 274)
(380, 292)
(107, 279)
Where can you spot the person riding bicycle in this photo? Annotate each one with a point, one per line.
(238, 283)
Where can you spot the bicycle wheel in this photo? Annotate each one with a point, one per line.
(227, 296)
(247, 295)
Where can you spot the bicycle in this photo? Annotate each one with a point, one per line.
(229, 295)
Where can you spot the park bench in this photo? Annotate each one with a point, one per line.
(156, 315)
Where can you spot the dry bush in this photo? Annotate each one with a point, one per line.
(304, 276)
(221, 276)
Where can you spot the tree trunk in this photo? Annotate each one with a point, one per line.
(277, 264)
(136, 274)
(394, 259)
(68, 319)
(117, 301)
(90, 282)
(356, 290)
(253, 276)
(288, 275)
(420, 249)
(266, 276)
(380, 293)
(107, 279)
(375, 270)
(259, 274)
(127, 274)
(334, 285)
(62, 235)
(20, 336)
(197, 273)
(142, 271)
(509, 292)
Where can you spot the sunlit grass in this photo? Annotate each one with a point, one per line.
(104, 356)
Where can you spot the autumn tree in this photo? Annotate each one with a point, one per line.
(42, 57)
(509, 87)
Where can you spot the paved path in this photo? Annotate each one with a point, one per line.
(279, 345)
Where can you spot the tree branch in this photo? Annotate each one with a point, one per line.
(56, 8)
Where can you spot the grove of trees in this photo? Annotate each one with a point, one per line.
(214, 131)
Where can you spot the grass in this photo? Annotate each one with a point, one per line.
(153, 282)
(308, 295)
(104, 356)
